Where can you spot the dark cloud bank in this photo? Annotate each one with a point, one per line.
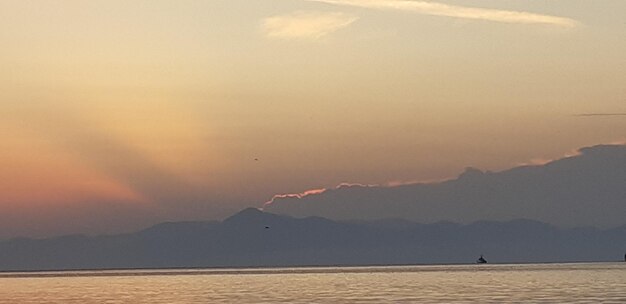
(588, 189)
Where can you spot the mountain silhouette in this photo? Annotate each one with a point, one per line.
(587, 189)
(243, 240)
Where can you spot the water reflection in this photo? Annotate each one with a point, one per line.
(549, 283)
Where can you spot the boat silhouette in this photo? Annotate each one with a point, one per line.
(481, 260)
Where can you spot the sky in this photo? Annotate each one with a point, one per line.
(115, 115)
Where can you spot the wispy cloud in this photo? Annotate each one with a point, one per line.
(599, 114)
(294, 195)
(455, 11)
(305, 24)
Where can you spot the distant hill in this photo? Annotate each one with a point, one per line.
(253, 238)
(587, 189)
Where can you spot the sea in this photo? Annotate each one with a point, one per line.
(487, 283)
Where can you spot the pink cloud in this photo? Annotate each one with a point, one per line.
(348, 185)
(294, 195)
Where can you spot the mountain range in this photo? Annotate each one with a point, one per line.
(253, 238)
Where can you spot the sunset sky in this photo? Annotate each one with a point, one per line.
(115, 115)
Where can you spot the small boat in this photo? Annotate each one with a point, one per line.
(481, 260)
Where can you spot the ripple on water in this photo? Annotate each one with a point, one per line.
(547, 283)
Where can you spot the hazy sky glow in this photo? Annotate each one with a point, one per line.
(118, 114)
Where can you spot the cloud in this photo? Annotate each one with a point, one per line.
(308, 25)
(584, 189)
(294, 195)
(306, 193)
(348, 185)
(599, 114)
(446, 10)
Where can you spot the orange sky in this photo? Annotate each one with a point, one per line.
(157, 110)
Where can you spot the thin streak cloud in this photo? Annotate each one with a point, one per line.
(305, 25)
(599, 114)
(455, 11)
(294, 195)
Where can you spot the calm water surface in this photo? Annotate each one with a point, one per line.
(532, 283)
